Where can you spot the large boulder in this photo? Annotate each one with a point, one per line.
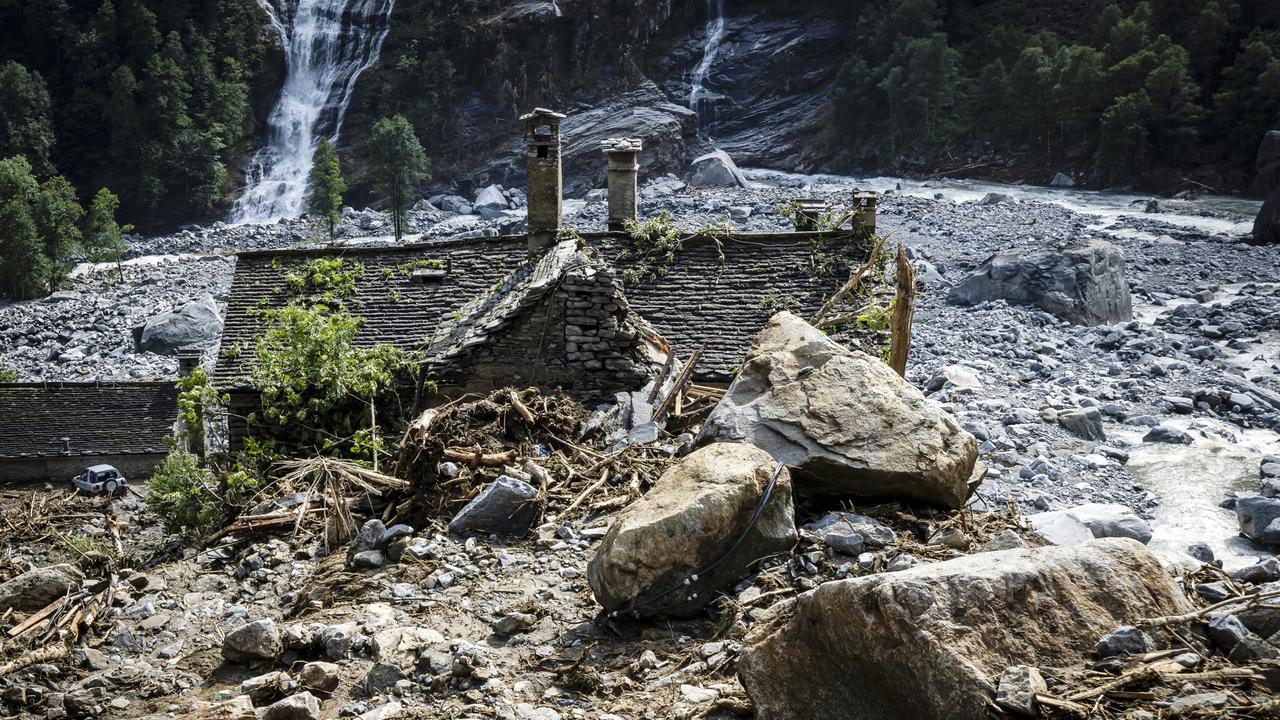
(1084, 283)
(715, 169)
(34, 589)
(1259, 519)
(845, 423)
(195, 323)
(506, 506)
(931, 642)
(1098, 520)
(1266, 227)
(655, 558)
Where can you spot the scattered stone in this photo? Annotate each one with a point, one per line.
(1059, 528)
(901, 653)
(255, 641)
(1062, 180)
(1225, 631)
(1166, 434)
(513, 623)
(1085, 424)
(1263, 571)
(303, 706)
(698, 511)
(268, 687)
(847, 532)
(321, 677)
(844, 422)
(1004, 540)
(506, 506)
(1124, 640)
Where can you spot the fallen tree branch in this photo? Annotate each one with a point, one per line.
(45, 654)
(1250, 600)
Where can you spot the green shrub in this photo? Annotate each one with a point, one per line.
(181, 494)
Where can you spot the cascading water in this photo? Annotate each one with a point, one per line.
(328, 44)
(701, 100)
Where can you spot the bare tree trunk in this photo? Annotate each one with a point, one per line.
(904, 308)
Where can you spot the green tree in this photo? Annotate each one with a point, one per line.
(22, 261)
(1124, 140)
(316, 385)
(103, 236)
(25, 127)
(57, 216)
(325, 187)
(399, 166)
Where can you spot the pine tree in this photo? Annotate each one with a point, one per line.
(399, 166)
(25, 127)
(324, 197)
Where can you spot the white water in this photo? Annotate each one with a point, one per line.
(328, 44)
(698, 93)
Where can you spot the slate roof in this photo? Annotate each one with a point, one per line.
(717, 293)
(99, 418)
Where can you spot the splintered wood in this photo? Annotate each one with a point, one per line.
(904, 310)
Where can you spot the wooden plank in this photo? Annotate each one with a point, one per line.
(686, 374)
(40, 614)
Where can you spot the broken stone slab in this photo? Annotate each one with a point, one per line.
(1083, 284)
(930, 642)
(319, 676)
(507, 506)
(253, 642)
(1059, 528)
(400, 646)
(844, 423)
(1259, 519)
(657, 557)
(35, 589)
(1017, 689)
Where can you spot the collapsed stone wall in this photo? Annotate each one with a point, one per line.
(575, 331)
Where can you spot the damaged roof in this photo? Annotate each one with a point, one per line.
(718, 291)
(127, 418)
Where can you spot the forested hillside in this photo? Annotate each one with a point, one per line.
(150, 99)
(1139, 92)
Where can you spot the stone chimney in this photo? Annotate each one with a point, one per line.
(189, 358)
(623, 170)
(546, 182)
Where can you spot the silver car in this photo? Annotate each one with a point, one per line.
(101, 479)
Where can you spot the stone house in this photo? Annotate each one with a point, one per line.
(50, 432)
(592, 313)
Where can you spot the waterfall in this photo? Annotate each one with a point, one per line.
(699, 96)
(328, 44)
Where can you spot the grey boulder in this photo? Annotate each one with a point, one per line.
(1084, 283)
(1259, 519)
(693, 534)
(506, 506)
(931, 642)
(715, 169)
(490, 202)
(302, 706)
(1266, 227)
(844, 422)
(195, 323)
(1085, 423)
(34, 589)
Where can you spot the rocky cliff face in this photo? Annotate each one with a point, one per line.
(617, 69)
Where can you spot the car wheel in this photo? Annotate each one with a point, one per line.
(110, 487)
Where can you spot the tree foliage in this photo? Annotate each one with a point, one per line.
(399, 166)
(325, 187)
(1141, 88)
(103, 236)
(149, 97)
